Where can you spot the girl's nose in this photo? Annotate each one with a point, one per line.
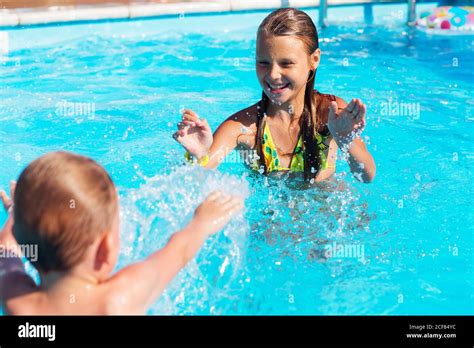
(274, 72)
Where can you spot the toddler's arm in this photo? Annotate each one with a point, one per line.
(137, 286)
(14, 281)
(6, 235)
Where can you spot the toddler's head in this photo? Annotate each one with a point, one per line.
(67, 205)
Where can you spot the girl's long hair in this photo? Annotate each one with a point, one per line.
(292, 22)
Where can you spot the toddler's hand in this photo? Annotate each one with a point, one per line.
(7, 201)
(216, 211)
(6, 232)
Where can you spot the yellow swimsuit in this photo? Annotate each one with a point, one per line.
(272, 161)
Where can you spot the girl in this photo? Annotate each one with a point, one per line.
(293, 127)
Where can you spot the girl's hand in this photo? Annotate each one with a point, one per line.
(194, 134)
(216, 211)
(346, 125)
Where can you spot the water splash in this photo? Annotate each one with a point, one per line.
(163, 205)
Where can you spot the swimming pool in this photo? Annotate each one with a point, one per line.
(113, 91)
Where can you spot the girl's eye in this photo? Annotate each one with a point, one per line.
(263, 63)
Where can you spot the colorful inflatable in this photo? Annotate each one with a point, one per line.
(448, 20)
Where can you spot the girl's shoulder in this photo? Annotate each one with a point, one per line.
(242, 126)
(324, 99)
(326, 96)
(246, 117)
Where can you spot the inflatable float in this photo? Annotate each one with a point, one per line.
(448, 20)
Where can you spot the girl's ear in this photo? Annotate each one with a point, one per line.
(315, 57)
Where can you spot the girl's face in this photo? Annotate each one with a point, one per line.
(283, 66)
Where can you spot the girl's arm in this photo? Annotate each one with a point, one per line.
(232, 132)
(361, 161)
(210, 150)
(344, 120)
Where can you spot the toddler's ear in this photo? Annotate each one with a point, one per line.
(105, 252)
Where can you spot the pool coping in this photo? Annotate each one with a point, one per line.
(11, 18)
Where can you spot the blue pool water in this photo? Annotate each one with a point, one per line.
(113, 91)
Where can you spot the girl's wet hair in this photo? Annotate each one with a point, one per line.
(292, 22)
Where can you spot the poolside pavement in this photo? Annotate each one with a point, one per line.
(14, 13)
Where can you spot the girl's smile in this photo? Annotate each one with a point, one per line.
(277, 89)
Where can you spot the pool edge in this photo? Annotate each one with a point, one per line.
(24, 18)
